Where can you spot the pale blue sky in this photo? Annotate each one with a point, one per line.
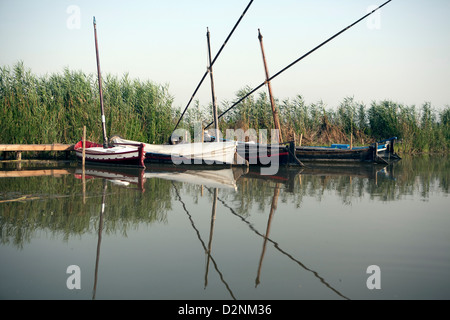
(406, 59)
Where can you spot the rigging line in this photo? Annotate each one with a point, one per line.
(301, 58)
(275, 244)
(212, 63)
(203, 244)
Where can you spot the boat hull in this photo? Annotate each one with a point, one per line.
(329, 154)
(131, 155)
(210, 153)
(381, 152)
(262, 155)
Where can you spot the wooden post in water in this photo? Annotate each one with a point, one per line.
(272, 101)
(83, 158)
(375, 151)
(105, 138)
(83, 161)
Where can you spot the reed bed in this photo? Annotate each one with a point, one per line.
(54, 108)
(422, 129)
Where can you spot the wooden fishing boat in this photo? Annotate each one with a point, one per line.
(131, 155)
(383, 152)
(379, 152)
(185, 153)
(128, 152)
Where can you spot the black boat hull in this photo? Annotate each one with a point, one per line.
(381, 152)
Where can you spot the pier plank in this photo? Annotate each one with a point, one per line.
(36, 147)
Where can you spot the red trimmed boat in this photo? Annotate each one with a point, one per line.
(132, 155)
(119, 154)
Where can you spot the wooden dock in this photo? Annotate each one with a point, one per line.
(34, 173)
(19, 148)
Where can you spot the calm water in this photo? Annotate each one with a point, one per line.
(228, 234)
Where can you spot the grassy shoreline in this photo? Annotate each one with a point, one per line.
(54, 108)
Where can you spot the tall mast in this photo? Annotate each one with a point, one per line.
(276, 120)
(105, 138)
(216, 120)
(299, 59)
(214, 60)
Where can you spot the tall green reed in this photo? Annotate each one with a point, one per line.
(54, 108)
(424, 129)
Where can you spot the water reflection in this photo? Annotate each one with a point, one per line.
(266, 240)
(207, 249)
(63, 201)
(100, 230)
(48, 198)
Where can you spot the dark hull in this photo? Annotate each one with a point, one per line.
(381, 152)
(132, 162)
(330, 154)
(264, 155)
(157, 158)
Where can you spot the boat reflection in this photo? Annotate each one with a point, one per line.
(368, 171)
(121, 176)
(129, 177)
(287, 175)
(214, 177)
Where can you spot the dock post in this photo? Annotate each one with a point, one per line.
(291, 151)
(84, 146)
(83, 169)
(375, 151)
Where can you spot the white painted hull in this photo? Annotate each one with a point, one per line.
(188, 153)
(116, 155)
